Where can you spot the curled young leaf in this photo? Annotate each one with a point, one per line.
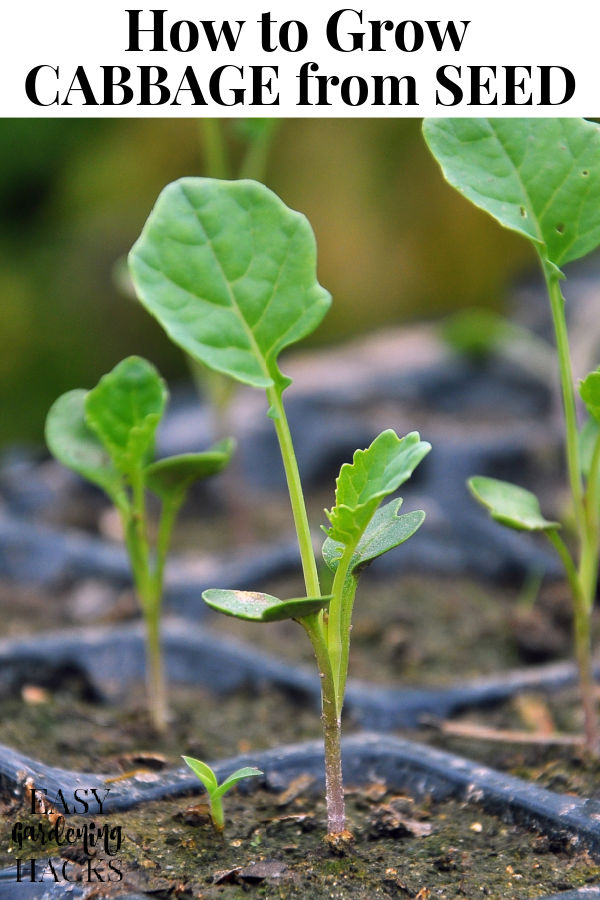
(257, 607)
(385, 531)
(539, 177)
(124, 410)
(171, 478)
(589, 390)
(75, 445)
(373, 474)
(230, 273)
(509, 504)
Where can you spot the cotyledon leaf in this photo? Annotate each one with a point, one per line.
(257, 607)
(75, 445)
(373, 474)
(203, 772)
(385, 531)
(230, 273)
(238, 775)
(173, 476)
(590, 394)
(540, 177)
(124, 410)
(510, 504)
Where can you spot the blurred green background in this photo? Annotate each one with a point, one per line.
(395, 242)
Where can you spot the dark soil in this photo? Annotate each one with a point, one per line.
(273, 848)
(411, 630)
(407, 631)
(86, 736)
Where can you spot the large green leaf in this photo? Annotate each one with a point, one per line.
(540, 177)
(373, 474)
(172, 477)
(257, 607)
(124, 410)
(385, 531)
(590, 394)
(230, 273)
(509, 504)
(75, 445)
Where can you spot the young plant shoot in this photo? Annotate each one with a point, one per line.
(541, 178)
(215, 790)
(230, 273)
(107, 436)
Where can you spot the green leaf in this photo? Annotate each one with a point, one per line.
(588, 438)
(76, 446)
(373, 474)
(590, 394)
(230, 273)
(171, 478)
(203, 772)
(509, 504)
(238, 775)
(385, 531)
(539, 177)
(124, 410)
(257, 607)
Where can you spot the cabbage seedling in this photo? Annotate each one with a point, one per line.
(541, 178)
(230, 273)
(215, 790)
(107, 436)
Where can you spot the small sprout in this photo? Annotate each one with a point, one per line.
(216, 791)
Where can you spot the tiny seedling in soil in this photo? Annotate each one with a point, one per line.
(216, 791)
(541, 178)
(107, 435)
(230, 273)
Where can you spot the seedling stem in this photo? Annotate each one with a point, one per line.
(582, 578)
(541, 177)
(257, 285)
